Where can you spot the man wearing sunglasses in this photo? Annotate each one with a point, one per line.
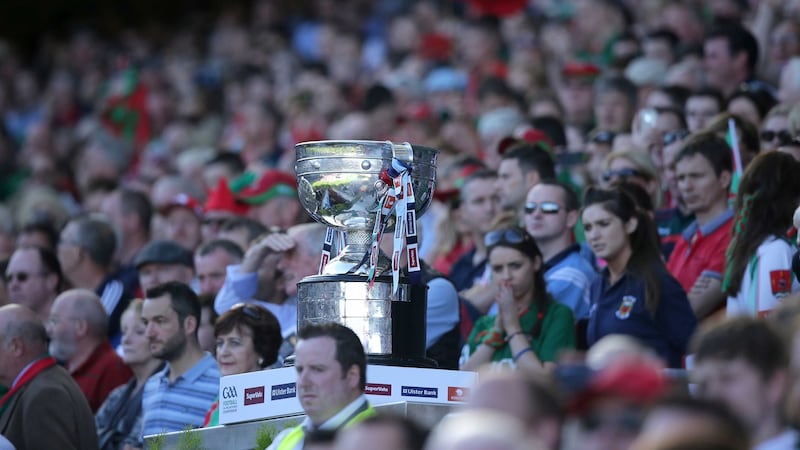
(522, 166)
(551, 212)
(33, 278)
(703, 170)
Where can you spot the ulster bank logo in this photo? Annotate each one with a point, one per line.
(254, 395)
(228, 392)
(281, 391)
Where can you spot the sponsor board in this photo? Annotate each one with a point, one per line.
(273, 393)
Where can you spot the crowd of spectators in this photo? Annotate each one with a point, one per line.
(613, 217)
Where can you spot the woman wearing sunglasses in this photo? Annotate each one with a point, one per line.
(636, 167)
(529, 328)
(248, 339)
(635, 294)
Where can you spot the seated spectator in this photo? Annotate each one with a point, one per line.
(40, 233)
(610, 409)
(532, 400)
(686, 422)
(220, 207)
(393, 431)
(179, 395)
(636, 167)
(530, 328)
(33, 278)
(294, 253)
(704, 169)
(208, 316)
(48, 411)
(182, 216)
(634, 294)
(551, 213)
(119, 419)
(733, 366)
(86, 254)
(242, 230)
(759, 258)
(210, 262)
(273, 200)
(248, 339)
(480, 429)
(162, 261)
(77, 330)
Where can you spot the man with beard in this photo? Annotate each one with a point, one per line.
(77, 330)
(179, 395)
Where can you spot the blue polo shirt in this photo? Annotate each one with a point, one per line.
(620, 309)
(174, 406)
(569, 276)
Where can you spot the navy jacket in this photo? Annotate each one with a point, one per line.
(620, 309)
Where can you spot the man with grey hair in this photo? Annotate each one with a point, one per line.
(86, 250)
(295, 254)
(44, 407)
(77, 331)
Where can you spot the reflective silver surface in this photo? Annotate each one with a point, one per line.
(339, 184)
(368, 312)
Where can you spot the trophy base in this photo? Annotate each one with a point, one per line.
(392, 327)
(410, 361)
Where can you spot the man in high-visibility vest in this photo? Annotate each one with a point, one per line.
(331, 376)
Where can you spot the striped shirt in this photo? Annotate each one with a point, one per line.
(183, 403)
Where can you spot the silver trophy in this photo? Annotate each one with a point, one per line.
(340, 184)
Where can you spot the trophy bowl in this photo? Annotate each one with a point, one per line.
(339, 184)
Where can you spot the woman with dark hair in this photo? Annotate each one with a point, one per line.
(635, 294)
(248, 339)
(759, 270)
(530, 328)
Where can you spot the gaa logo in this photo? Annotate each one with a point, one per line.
(228, 392)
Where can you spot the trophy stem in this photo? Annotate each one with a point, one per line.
(357, 244)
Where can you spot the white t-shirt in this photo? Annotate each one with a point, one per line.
(767, 279)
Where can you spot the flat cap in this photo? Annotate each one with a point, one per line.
(163, 252)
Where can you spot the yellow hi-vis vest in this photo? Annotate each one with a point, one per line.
(297, 434)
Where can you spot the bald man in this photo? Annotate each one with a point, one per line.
(45, 408)
(78, 339)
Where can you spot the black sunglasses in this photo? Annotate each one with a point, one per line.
(626, 173)
(20, 276)
(251, 311)
(783, 136)
(508, 235)
(676, 135)
(545, 207)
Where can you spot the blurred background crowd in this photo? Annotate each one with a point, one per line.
(606, 168)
